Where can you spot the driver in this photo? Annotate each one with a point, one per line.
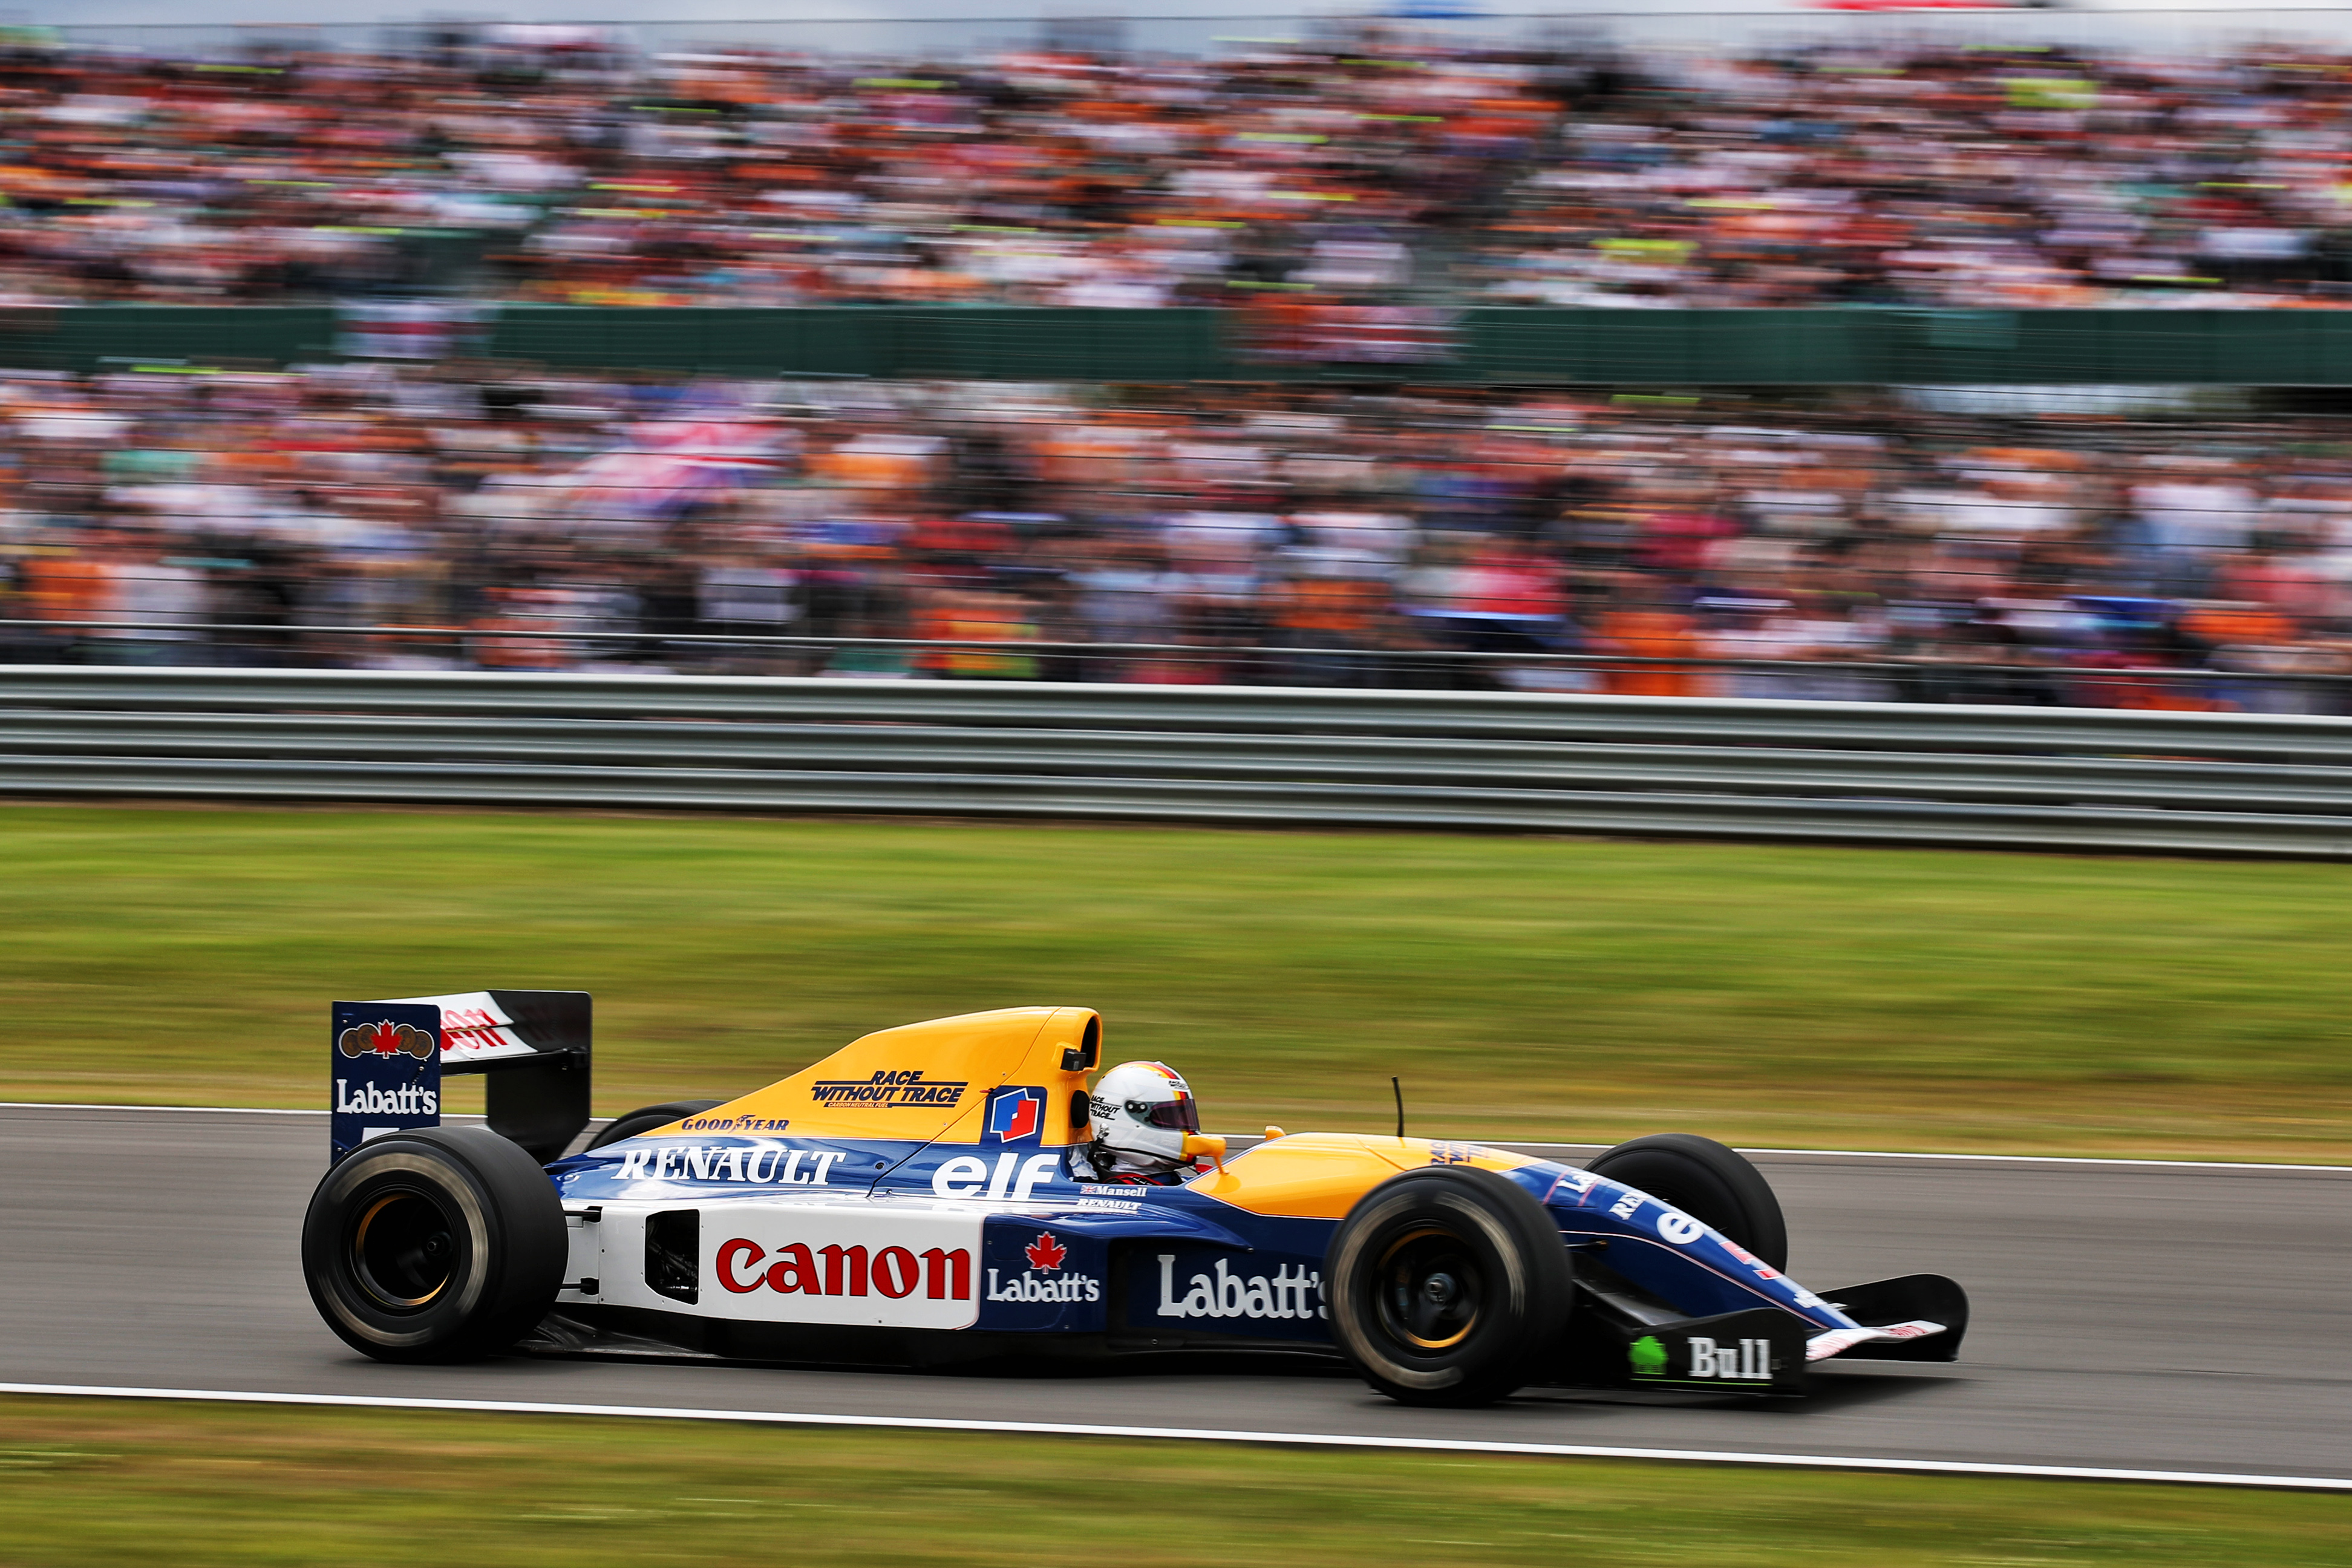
(1142, 1111)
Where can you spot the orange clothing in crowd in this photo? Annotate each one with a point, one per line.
(1334, 606)
(68, 587)
(1649, 634)
(975, 619)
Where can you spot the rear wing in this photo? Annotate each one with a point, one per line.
(387, 1061)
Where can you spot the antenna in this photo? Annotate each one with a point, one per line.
(1400, 1097)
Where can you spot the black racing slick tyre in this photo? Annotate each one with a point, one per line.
(645, 1118)
(1448, 1286)
(1715, 1185)
(443, 1244)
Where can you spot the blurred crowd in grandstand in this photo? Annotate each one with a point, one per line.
(1381, 171)
(1221, 533)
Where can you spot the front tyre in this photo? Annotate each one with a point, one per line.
(1448, 1286)
(1714, 1184)
(441, 1243)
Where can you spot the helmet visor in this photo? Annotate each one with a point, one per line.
(1177, 1115)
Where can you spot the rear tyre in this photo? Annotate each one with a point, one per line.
(644, 1119)
(1715, 1185)
(443, 1244)
(1448, 1286)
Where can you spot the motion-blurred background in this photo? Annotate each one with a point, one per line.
(404, 425)
(1846, 354)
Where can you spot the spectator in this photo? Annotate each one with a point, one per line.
(1236, 533)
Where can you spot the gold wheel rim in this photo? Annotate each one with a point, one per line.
(359, 1257)
(1399, 1245)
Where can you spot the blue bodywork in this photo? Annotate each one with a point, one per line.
(1196, 1265)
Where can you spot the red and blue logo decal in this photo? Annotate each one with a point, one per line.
(1014, 1115)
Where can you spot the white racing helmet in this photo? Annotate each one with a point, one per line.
(1142, 1111)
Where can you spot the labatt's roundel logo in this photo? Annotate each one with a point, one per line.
(1043, 1280)
(386, 1040)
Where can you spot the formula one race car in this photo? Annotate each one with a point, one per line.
(924, 1195)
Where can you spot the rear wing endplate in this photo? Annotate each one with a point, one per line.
(387, 1060)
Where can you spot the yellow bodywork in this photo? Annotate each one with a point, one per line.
(1319, 1175)
(929, 1082)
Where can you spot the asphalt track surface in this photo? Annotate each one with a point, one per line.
(2131, 1317)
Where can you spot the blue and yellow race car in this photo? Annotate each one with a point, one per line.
(924, 1195)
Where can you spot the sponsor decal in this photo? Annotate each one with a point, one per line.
(1748, 1361)
(888, 1267)
(373, 1099)
(1679, 1228)
(385, 1039)
(734, 1124)
(1751, 1361)
(1837, 1340)
(893, 1272)
(470, 1030)
(759, 1165)
(384, 1071)
(1014, 1115)
(904, 1089)
(1013, 1177)
(1627, 1206)
(1109, 1205)
(1806, 1299)
(1579, 1182)
(1043, 1280)
(1231, 1295)
(1451, 1153)
(1762, 1269)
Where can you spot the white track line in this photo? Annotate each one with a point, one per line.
(1197, 1435)
(1500, 1143)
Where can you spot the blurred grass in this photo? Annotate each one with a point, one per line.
(98, 1481)
(1541, 988)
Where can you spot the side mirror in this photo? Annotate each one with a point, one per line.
(1199, 1143)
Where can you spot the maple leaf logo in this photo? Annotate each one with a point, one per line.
(1045, 1252)
(386, 1039)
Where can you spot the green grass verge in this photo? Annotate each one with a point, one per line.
(100, 1481)
(1541, 988)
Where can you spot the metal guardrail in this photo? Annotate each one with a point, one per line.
(1884, 773)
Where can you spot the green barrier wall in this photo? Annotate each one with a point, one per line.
(992, 344)
(98, 336)
(1617, 348)
(2279, 348)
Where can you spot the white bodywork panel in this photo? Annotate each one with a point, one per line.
(474, 1028)
(851, 1260)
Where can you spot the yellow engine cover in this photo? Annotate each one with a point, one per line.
(926, 1081)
